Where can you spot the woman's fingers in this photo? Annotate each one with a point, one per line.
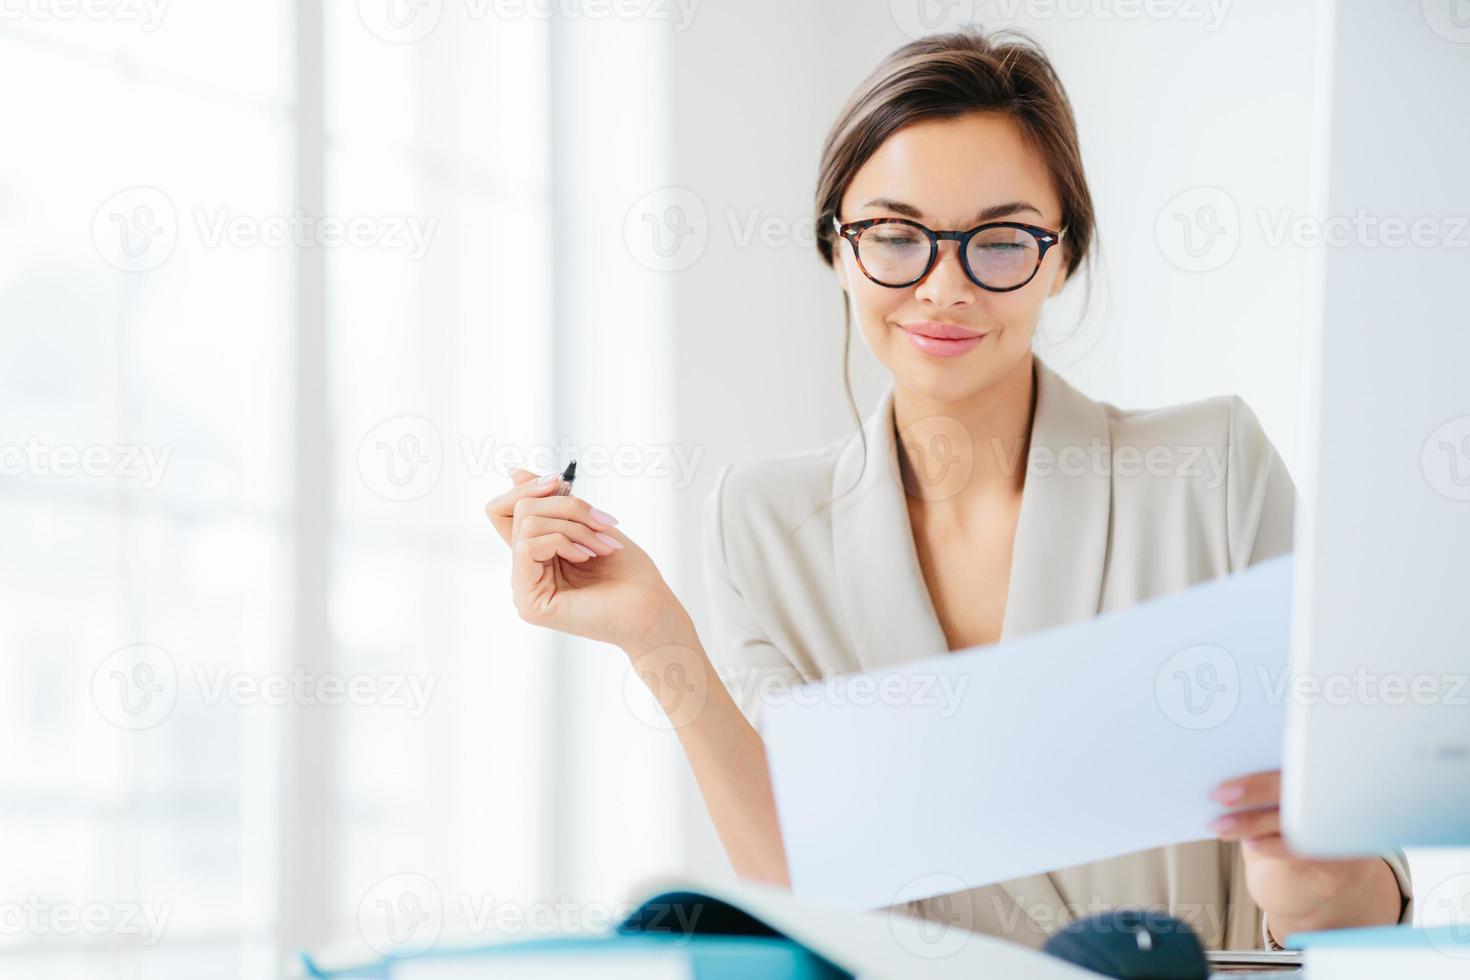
(536, 525)
(1270, 846)
(1260, 789)
(526, 485)
(1247, 824)
(565, 508)
(544, 547)
(537, 495)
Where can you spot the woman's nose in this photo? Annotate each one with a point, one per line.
(947, 284)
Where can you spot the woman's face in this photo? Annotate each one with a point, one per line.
(951, 175)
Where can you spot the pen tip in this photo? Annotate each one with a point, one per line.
(570, 472)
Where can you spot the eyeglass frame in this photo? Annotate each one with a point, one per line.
(1045, 239)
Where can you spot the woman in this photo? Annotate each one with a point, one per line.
(983, 499)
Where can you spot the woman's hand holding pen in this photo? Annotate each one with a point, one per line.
(573, 571)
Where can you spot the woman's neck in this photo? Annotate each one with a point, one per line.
(954, 454)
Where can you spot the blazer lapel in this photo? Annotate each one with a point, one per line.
(1057, 560)
(1061, 542)
(879, 579)
(1061, 545)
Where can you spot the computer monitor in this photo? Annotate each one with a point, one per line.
(1378, 719)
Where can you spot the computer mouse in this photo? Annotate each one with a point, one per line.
(1135, 944)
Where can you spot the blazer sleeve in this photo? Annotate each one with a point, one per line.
(1261, 503)
(752, 667)
(1260, 497)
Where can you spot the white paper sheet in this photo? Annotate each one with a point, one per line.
(1063, 747)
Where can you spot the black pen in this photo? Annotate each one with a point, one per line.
(567, 476)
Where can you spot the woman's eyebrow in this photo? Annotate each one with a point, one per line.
(988, 214)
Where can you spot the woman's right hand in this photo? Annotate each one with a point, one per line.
(573, 571)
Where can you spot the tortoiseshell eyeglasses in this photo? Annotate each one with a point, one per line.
(999, 256)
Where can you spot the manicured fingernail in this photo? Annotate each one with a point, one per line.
(1228, 794)
(1222, 824)
(603, 517)
(589, 551)
(608, 540)
(548, 478)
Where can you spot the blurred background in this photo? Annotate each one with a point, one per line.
(287, 289)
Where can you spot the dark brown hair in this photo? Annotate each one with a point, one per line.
(942, 76)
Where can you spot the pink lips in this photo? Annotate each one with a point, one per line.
(942, 339)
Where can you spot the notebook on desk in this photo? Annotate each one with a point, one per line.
(685, 931)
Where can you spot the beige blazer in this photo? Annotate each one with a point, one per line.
(799, 591)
